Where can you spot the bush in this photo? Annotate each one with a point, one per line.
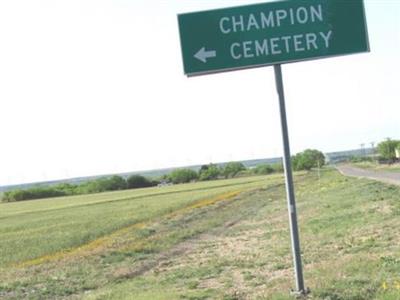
(278, 167)
(182, 176)
(264, 170)
(209, 172)
(138, 181)
(115, 183)
(231, 169)
(100, 185)
(308, 159)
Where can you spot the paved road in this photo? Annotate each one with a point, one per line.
(388, 177)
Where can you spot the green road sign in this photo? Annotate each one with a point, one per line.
(271, 33)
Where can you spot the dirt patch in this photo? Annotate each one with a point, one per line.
(240, 257)
(155, 264)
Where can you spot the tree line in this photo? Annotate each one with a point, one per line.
(302, 161)
(113, 183)
(386, 152)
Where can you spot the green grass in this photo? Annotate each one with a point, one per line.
(233, 249)
(40, 227)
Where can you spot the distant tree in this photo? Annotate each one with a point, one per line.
(209, 172)
(14, 195)
(104, 184)
(308, 159)
(231, 169)
(115, 183)
(264, 169)
(67, 188)
(387, 149)
(138, 181)
(204, 168)
(182, 175)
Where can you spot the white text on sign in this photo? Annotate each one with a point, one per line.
(278, 44)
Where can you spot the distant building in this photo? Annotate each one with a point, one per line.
(341, 156)
(164, 183)
(397, 153)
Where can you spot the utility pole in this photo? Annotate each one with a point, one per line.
(362, 149)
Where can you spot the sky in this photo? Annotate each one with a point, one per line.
(91, 87)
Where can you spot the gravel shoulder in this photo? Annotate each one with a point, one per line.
(388, 177)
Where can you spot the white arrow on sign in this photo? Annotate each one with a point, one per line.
(202, 54)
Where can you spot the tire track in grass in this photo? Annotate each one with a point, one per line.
(110, 241)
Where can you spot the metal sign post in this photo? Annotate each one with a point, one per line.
(291, 201)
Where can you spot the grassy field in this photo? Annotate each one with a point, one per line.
(217, 240)
(33, 229)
